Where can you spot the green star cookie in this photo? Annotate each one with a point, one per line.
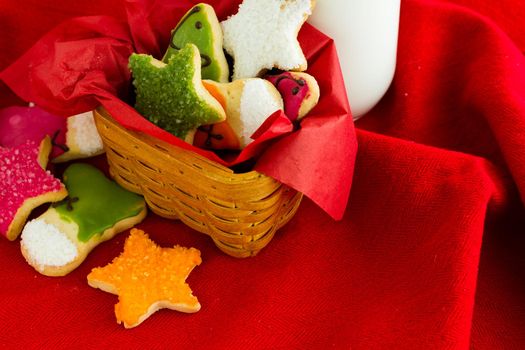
(172, 95)
(201, 27)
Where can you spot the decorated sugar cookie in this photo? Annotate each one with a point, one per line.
(19, 124)
(25, 184)
(147, 278)
(300, 92)
(95, 210)
(201, 27)
(263, 35)
(72, 138)
(82, 138)
(172, 95)
(248, 102)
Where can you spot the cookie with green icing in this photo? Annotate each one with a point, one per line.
(201, 27)
(172, 95)
(95, 210)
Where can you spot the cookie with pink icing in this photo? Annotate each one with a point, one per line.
(19, 124)
(25, 184)
(72, 138)
(300, 92)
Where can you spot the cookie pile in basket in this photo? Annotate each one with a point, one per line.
(188, 92)
(192, 94)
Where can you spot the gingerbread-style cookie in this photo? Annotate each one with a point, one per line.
(263, 35)
(147, 278)
(25, 184)
(299, 90)
(172, 95)
(96, 209)
(248, 103)
(201, 27)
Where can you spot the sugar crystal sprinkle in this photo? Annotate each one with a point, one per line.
(22, 178)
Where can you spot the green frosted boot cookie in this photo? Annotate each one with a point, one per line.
(96, 209)
(172, 95)
(201, 27)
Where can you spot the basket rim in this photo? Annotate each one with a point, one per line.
(228, 174)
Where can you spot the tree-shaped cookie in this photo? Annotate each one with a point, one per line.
(172, 95)
(147, 278)
(201, 27)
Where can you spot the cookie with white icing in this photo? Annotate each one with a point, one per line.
(248, 103)
(263, 35)
(82, 138)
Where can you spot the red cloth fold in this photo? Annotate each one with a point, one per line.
(428, 254)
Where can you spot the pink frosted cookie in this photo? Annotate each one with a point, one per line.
(72, 138)
(19, 124)
(300, 92)
(25, 184)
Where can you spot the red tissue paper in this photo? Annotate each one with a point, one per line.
(429, 253)
(83, 63)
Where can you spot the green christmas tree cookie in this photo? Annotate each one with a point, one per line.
(201, 27)
(172, 95)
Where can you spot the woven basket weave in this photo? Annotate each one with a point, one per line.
(240, 212)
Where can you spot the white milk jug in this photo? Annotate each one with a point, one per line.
(365, 33)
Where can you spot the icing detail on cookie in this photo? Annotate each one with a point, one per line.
(146, 278)
(172, 95)
(220, 135)
(47, 245)
(82, 138)
(293, 90)
(25, 184)
(201, 27)
(95, 203)
(257, 104)
(19, 124)
(248, 103)
(86, 134)
(263, 35)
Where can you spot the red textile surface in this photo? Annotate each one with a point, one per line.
(429, 254)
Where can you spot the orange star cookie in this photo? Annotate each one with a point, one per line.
(147, 278)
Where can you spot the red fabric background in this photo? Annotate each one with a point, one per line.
(429, 254)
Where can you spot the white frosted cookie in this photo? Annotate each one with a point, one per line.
(82, 138)
(263, 35)
(248, 103)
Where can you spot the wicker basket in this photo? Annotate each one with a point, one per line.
(240, 212)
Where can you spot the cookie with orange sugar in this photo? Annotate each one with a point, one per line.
(148, 278)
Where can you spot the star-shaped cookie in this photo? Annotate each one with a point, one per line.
(172, 95)
(263, 35)
(25, 184)
(147, 278)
